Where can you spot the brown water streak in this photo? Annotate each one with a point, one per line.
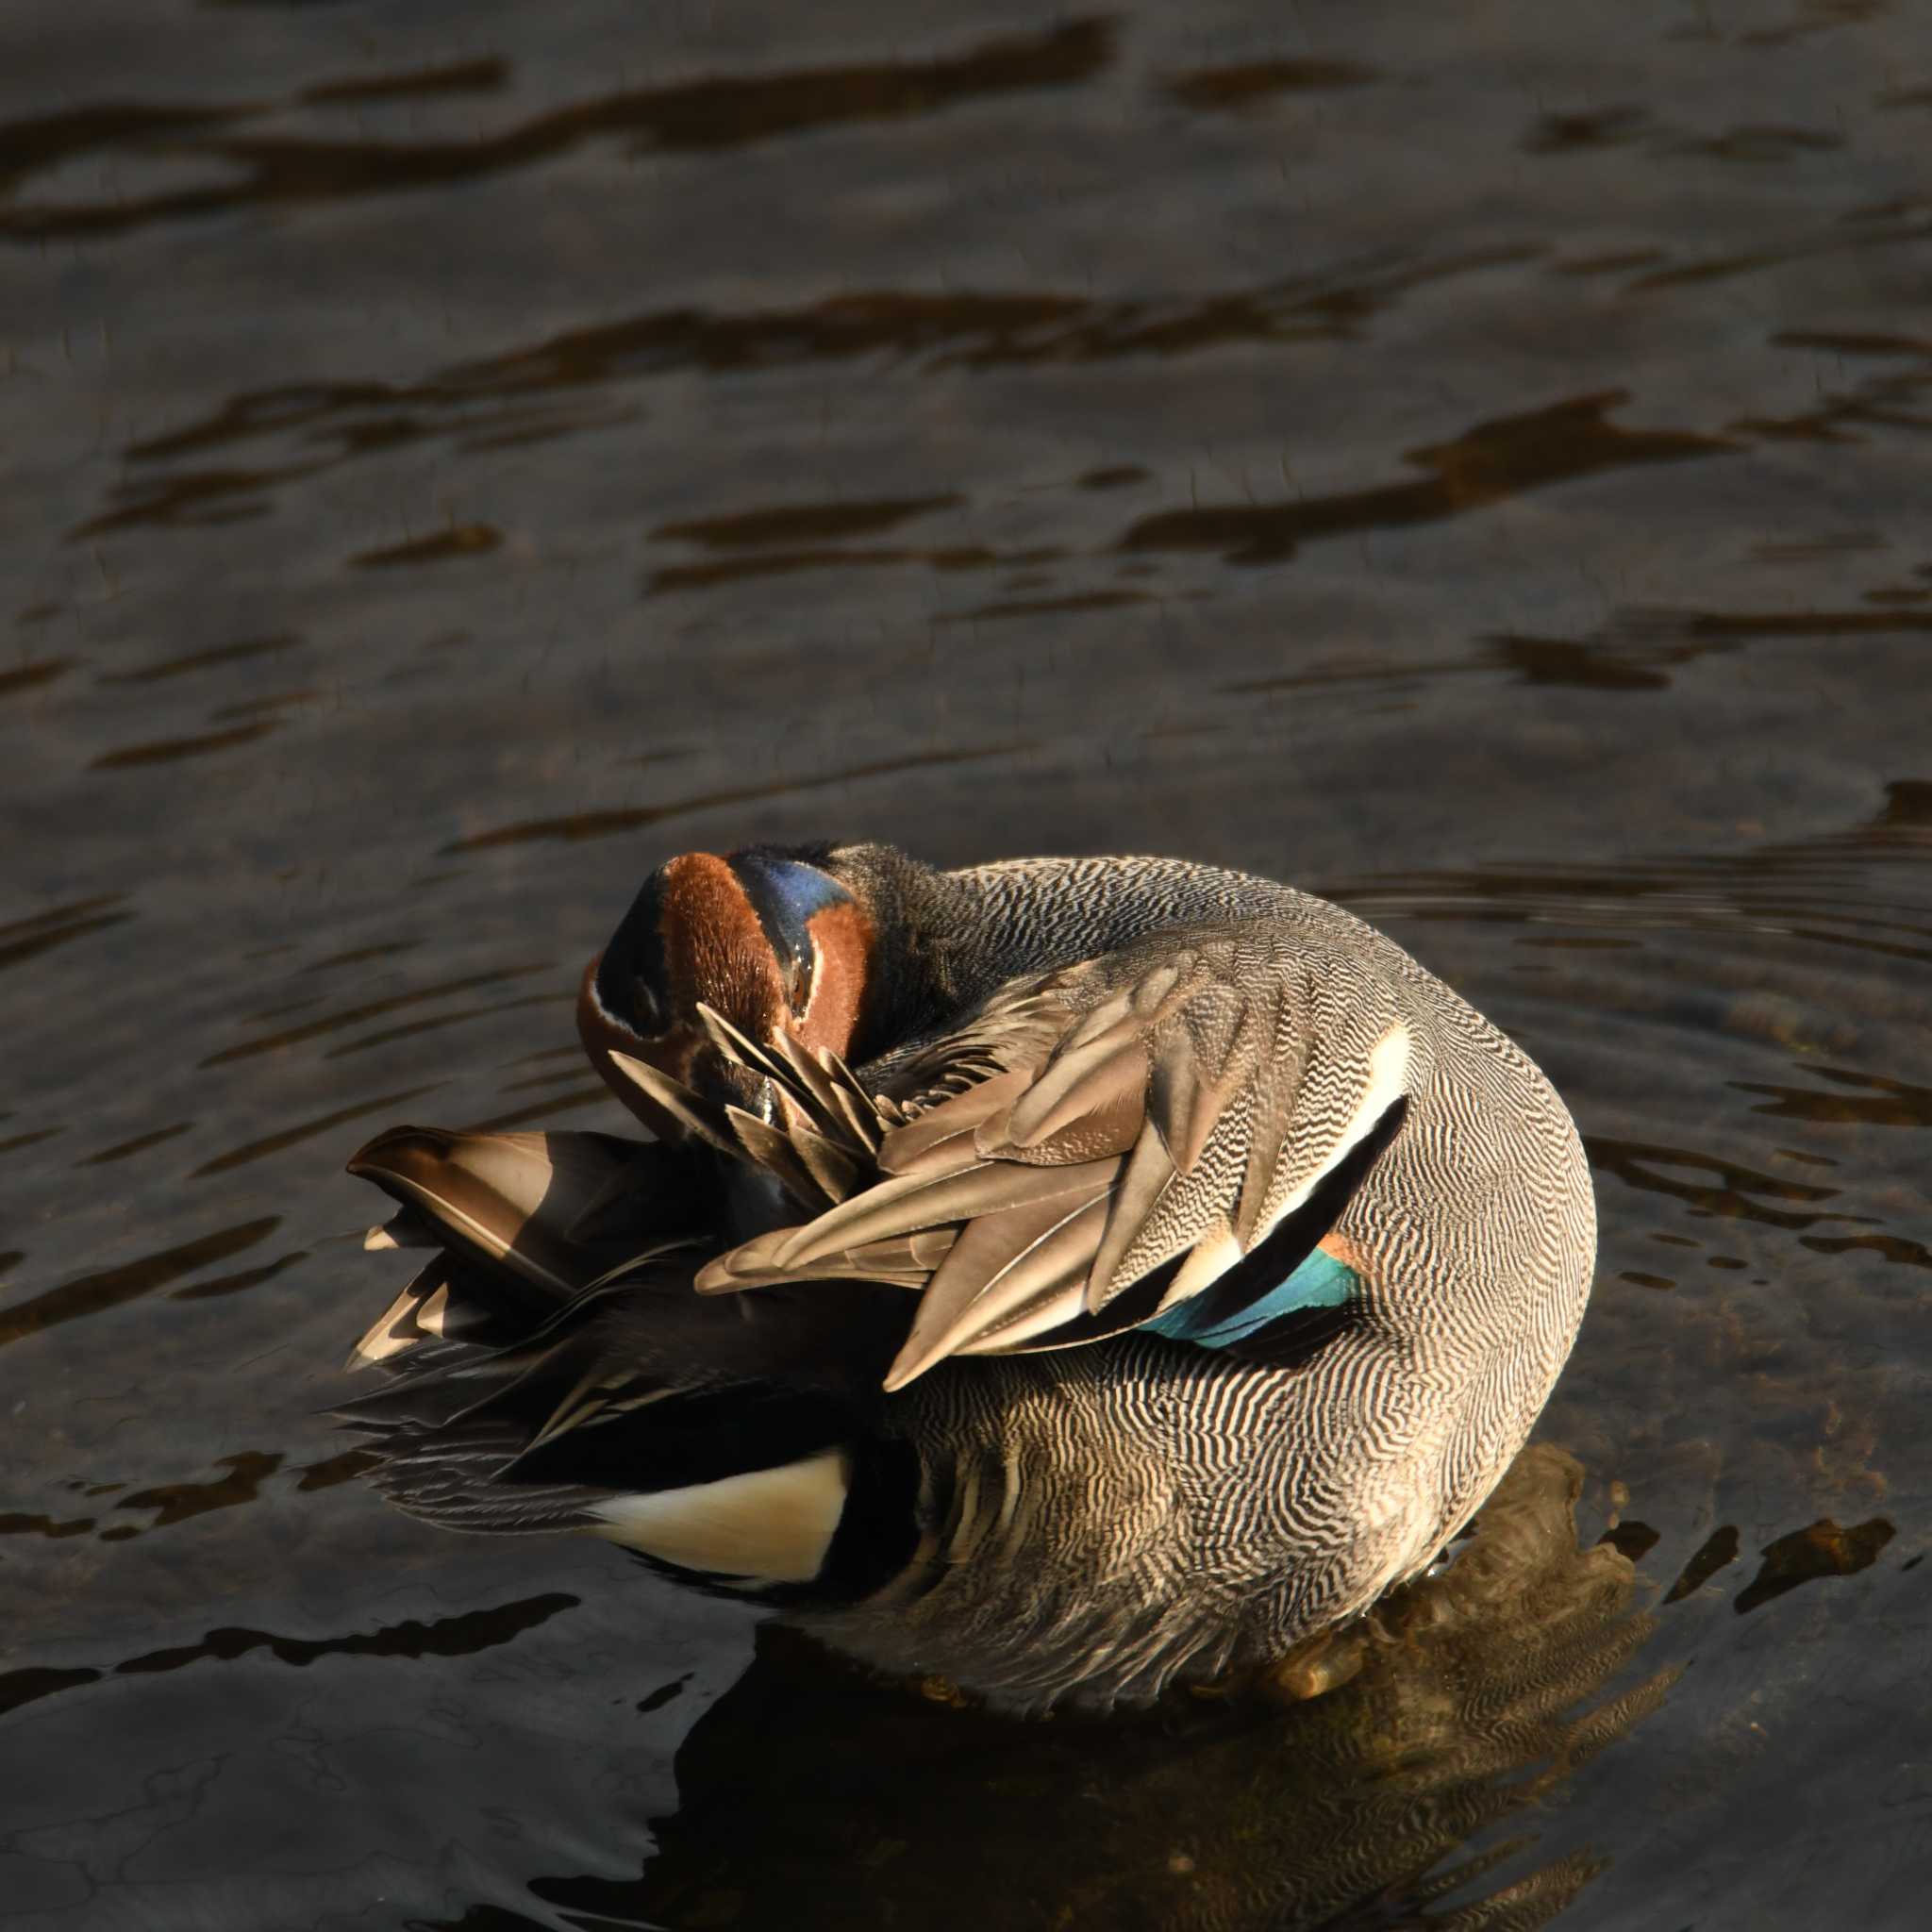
(1502, 457)
(701, 114)
(369, 1010)
(602, 825)
(24, 938)
(290, 1137)
(93, 1294)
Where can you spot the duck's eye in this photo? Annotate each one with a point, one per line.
(798, 983)
(646, 1011)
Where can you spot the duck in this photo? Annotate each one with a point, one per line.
(1063, 1277)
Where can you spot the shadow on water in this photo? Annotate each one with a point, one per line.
(1471, 1698)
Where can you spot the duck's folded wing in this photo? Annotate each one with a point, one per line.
(1148, 1121)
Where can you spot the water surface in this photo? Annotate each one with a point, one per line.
(1468, 464)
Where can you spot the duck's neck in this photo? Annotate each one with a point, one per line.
(1038, 914)
(947, 940)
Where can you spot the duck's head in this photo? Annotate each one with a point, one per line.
(772, 938)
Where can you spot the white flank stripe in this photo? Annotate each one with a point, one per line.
(1387, 1070)
(1213, 1255)
(1217, 1251)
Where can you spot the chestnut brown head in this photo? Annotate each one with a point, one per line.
(769, 937)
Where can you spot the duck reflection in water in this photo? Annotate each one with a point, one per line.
(1179, 1270)
(811, 1796)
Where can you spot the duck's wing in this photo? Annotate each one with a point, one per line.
(1099, 1146)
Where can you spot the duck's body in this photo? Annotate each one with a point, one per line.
(1325, 1234)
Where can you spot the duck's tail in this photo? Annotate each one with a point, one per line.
(550, 1368)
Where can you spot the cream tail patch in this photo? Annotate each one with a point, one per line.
(767, 1526)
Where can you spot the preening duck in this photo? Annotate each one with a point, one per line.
(1064, 1275)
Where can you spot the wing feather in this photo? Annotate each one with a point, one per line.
(926, 1143)
(1002, 1266)
(523, 1201)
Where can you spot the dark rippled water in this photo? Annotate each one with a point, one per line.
(1468, 461)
